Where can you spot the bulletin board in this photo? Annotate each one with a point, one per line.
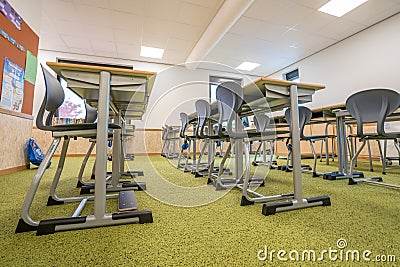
(24, 45)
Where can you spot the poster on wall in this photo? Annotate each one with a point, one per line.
(10, 13)
(12, 88)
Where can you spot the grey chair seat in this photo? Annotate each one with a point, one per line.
(375, 136)
(373, 106)
(81, 126)
(318, 137)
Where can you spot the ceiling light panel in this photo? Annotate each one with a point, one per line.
(247, 66)
(340, 7)
(152, 52)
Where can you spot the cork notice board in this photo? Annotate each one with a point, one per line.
(30, 42)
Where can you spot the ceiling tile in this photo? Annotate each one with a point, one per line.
(315, 22)
(166, 9)
(340, 29)
(246, 27)
(306, 41)
(57, 9)
(213, 4)
(128, 51)
(292, 15)
(185, 31)
(94, 15)
(267, 10)
(76, 42)
(128, 37)
(373, 11)
(314, 4)
(51, 42)
(179, 45)
(99, 34)
(133, 7)
(194, 14)
(67, 27)
(95, 3)
(126, 21)
(264, 34)
(103, 46)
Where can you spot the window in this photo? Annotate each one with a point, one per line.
(73, 108)
(292, 76)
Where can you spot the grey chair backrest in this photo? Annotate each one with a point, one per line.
(261, 121)
(53, 99)
(305, 115)
(230, 98)
(372, 105)
(184, 123)
(203, 114)
(91, 113)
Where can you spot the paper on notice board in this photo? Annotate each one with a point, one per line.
(12, 89)
(30, 67)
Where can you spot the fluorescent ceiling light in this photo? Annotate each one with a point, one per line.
(248, 66)
(340, 7)
(147, 51)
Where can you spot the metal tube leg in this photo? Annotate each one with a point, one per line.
(203, 148)
(94, 169)
(101, 146)
(272, 149)
(211, 167)
(296, 154)
(179, 158)
(187, 157)
(256, 153)
(384, 157)
(246, 181)
(85, 160)
(116, 153)
(30, 195)
(353, 159)
(222, 164)
(60, 167)
(381, 156)
(370, 156)
(315, 159)
(326, 150)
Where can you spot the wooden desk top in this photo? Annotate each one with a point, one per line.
(261, 81)
(58, 67)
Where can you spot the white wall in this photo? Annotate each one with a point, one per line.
(30, 11)
(175, 90)
(368, 59)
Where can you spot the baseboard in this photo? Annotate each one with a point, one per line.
(94, 154)
(14, 169)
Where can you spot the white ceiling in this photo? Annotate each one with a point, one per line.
(274, 33)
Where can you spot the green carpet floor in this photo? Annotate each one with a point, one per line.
(220, 233)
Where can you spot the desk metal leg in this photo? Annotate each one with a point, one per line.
(343, 163)
(101, 146)
(298, 202)
(116, 153)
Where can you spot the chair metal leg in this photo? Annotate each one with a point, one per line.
(26, 223)
(382, 157)
(314, 170)
(370, 156)
(84, 162)
(52, 198)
